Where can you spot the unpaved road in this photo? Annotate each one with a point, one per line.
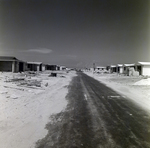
(97, 117)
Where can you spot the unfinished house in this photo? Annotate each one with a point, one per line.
(143, 68)
(129, 66)
(44, 67)
(113, 68)
(58, 67)
(120, 68)
(99, 69)
(108, 68)
(63, 68)
(52, 67)
(11, 64)
(129, 69)
(34, 66)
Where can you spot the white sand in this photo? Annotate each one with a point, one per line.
(25, 111)
(143, 82)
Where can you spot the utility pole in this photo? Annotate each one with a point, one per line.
(93, 67)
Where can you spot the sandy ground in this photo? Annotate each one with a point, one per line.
(136, 88)
(26, 103)
(28, 100)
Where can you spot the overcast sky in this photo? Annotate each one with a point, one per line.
(75, 32)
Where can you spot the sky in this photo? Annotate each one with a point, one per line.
(76, 33)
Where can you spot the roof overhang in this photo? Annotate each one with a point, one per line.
(128, 65)
(5, 60)
(35, 63)
(144, 63)
(120, 65)
(113, 66)
(100, 67)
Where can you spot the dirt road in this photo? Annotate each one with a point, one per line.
(97, 117)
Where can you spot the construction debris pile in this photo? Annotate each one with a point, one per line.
(29, 81)
(24, 79)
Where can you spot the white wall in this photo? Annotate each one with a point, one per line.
(121, 70)
(43, 67)
(146, 70)
(15, 66)
(38, 68)
(63, 68)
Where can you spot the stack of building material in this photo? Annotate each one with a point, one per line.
(132, 72)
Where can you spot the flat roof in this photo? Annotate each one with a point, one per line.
(129, 64)
(100, 67)
(144, 63)
(120, 65)
(36, 63)
(8, 58)
(52, 65)
(113, 66)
